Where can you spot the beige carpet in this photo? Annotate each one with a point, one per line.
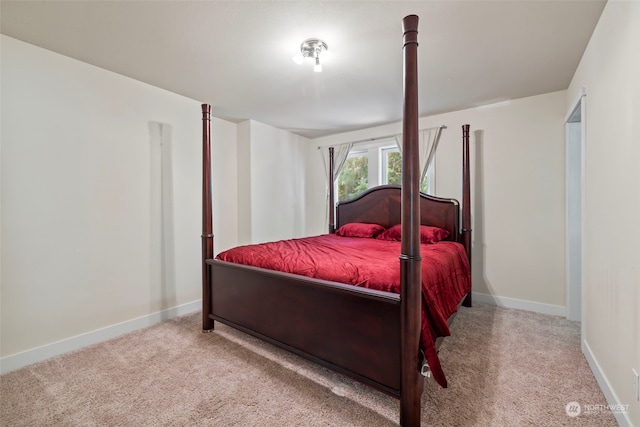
(505, 368)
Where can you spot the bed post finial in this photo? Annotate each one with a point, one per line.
(207, 218)
(411, 382)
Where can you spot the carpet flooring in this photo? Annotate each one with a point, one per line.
(505, 367)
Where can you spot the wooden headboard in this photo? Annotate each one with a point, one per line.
(382, 205)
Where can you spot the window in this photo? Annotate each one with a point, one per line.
(371, 165)
(391, 166)
(354, 177)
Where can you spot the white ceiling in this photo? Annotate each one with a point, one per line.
(236, 55)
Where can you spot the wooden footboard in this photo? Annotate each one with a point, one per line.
(354, 331)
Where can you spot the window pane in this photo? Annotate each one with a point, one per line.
(424, 185)
(353, 179)
(393, 169)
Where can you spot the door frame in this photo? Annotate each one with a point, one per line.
(575, 286)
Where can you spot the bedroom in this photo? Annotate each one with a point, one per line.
(119, 179)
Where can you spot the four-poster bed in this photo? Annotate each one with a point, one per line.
(372, 332)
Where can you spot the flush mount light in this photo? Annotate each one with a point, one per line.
(311, 48)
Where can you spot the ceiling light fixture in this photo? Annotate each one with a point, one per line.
(311, 48)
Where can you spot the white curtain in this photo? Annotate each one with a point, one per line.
(427, 143)
(340, 153)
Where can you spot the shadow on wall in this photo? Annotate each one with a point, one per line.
(162, 262)
(480, 282)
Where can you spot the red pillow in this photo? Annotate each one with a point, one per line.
(428, 234)
(359, 229)
(431, 234)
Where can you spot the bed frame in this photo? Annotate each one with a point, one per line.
(369, 335)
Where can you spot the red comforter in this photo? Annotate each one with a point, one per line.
(374, 264)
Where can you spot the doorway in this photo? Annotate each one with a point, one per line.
(575, 145)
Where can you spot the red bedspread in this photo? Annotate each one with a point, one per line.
(374, 264)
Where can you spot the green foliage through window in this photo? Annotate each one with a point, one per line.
(354, 177)
(394, 171)
(394, 168)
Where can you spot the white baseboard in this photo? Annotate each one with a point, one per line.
(38, 354)
(538, 307)
(622, 417)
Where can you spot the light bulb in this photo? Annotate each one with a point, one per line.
(317, 68)
(298, 59)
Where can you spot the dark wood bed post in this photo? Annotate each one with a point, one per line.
(466, 200)
(207, 218)
(332, 196)
(411, 382)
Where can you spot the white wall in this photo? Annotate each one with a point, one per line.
(609, 73)
(100, 222)
(271, 174)
(517, 151)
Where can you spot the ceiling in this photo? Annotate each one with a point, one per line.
(237, 55)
